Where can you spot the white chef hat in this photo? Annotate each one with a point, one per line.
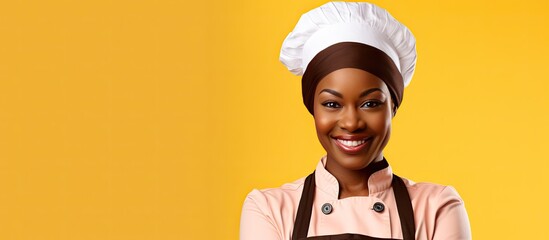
(360, 22)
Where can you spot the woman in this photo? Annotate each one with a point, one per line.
(355, 60)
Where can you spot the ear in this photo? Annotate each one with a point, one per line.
(393, 106)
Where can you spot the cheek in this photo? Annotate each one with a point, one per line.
(379, 123)
(382, 123)
(323, 125)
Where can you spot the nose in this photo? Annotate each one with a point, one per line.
(351, 120)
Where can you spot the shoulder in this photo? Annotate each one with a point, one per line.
(276, 197)
(440, 210)
(432, 201)
(431, 191)
(270, 212)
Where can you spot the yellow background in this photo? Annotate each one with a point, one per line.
(154, 119)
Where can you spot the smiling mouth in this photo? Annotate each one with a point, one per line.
(349, 143)
(351, 146)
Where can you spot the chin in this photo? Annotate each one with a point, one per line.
(352, 162)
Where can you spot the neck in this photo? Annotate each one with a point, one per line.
(354, 182)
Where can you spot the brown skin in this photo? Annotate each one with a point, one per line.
(362, 111)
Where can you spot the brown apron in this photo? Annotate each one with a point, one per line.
(404, 206)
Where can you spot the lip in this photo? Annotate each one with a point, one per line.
(350, 149)
(351, 137)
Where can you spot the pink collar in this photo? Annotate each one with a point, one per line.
(326, 182)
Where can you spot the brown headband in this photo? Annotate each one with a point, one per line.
(351, 55)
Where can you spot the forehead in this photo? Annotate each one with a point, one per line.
(351, 80)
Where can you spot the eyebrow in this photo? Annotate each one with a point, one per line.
(337, 94)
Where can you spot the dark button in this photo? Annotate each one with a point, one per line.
(379, 207)
(327, 208)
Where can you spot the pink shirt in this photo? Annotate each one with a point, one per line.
(439, 212)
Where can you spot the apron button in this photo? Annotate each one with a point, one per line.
(379, 207)
(327, 208)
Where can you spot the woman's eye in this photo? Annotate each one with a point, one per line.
(371, 104)
(331, 105)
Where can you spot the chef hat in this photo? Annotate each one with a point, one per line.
(355, 22)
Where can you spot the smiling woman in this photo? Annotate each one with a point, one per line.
(355, 60)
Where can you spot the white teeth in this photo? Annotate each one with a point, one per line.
(351, 143)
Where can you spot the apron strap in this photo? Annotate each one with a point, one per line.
(404, 207)
(303, 217)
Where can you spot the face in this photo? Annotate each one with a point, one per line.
(352, 112)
